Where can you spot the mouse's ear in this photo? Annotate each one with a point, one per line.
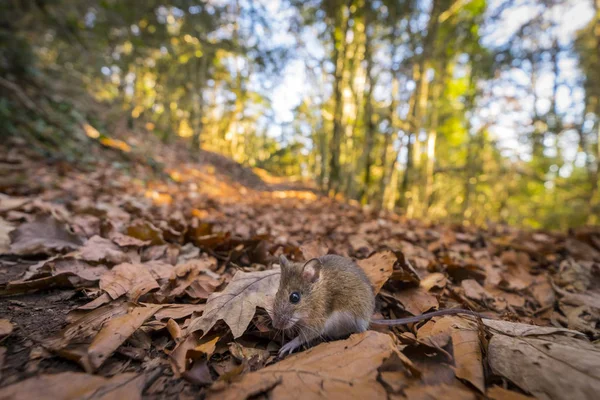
(283, 261)
(311, 270)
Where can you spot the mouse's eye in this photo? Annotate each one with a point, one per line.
(294, 297)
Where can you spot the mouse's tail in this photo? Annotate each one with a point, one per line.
(422, 317)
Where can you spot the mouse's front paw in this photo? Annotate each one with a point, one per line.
(289, 347)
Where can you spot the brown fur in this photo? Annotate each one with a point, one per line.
(341, 286)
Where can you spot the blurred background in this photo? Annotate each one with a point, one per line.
(449, 110)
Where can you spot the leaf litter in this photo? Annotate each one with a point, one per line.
(158, 287)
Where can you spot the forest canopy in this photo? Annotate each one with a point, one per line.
(450, 110)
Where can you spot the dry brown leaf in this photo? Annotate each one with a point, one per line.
(127, 241)
(76, 386)
(45, 235)
(193, 347)
(6, 327)
(145, 231)
(543, 293)
(258, 357)
(174, 329)
(178, 311)
(378, 268)
(358, 243)
(439, 392)
(404, 271)
(8, 203)
(435, 280)
(71, 341)
(115, 332)
(199, 374)
(313, 249)
(2, 357)
(518, 329)
(474, 290)
(573, 276)
(237, 304)
(468, 358)
(340, 369)
(415, 300)
(202, 287)
(195, 275)
(98, 249)
(5, 228)
(134, 280)
(542, 362)
(56, 273)
(499, 393)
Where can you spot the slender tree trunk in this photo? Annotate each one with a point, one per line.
(368, 115)
(436, 95)
(198, 99)
(339, 56)
(420, 98)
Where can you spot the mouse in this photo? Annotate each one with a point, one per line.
(330, 297)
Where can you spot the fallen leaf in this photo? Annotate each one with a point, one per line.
(145, 231)
(128, 241)
(358, 243)
(193, 347)
(199, 374)
(415, 300)
(435, 280)
(178, 311)
(257, 356)
(83, 327)
(8, 203)
(573, 276)
(134, 280)
(474, 290)
(439, 392)
(98, 249)
(174, 329)
(6, 328)
(313, 249)
(518, 329)
(2, 357)
(468, 358)
(548, 365)
(404, 271)
(45, 235)
(115, 332)
(499, 393)
(344, 368)
(5, 228)
(378, 268)
(76, 386)
(237, 304)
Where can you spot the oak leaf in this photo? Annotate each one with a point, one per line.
(237, 304)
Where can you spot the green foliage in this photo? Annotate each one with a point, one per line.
(397, 110)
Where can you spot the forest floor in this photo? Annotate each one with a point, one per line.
(111, 276)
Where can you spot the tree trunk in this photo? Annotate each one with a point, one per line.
(420, 99)
(198, 99)
(436, 95)
(368, 115)
(339, 56)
